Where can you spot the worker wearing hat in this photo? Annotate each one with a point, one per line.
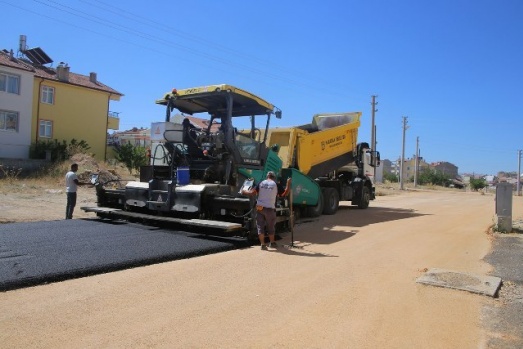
(268, 190)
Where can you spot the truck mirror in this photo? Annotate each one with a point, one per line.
(375, 158)
(278, 114)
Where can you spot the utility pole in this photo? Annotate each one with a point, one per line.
(403, 152)
(519, 173)
(373, 129)
(416, 163)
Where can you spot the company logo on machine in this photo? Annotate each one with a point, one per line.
(252, 161)
(197, 90)
(160, 198)
(298, 189)
(332, 142)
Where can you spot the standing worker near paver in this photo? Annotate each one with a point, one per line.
(267, 191)
(71, 184)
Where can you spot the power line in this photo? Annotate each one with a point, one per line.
(121, 12)
(154, 38)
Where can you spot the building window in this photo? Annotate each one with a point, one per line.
(9, 83)
(8, 121)
(47, 95)
(46, 129)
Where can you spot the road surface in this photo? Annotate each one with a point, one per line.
(349, 283)
(34, 253)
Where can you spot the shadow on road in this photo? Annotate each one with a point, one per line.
(301, 250)
(359, 218)
(330, 229)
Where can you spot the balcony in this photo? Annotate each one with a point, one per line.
(113, 121)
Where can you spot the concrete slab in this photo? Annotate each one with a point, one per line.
(485, 285)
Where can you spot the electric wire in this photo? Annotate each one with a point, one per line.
(96, 19)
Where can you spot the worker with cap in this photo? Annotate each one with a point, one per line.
(268, 190)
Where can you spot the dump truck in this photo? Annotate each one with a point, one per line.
(195, 173)
(326, 150)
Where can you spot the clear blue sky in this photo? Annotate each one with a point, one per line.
(453, 67)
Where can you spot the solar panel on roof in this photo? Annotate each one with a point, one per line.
(38, 56)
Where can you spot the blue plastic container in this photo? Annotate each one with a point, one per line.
(182, 176)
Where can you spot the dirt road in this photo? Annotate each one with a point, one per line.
(350, 284)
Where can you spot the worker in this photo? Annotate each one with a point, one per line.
(267, 191)
(71, 183)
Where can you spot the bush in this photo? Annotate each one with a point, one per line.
(59, 151)
(477, 184)
(391, 177)
(76, 147)
(433, 177)
(131, 156)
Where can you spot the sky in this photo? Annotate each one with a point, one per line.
(451, 69)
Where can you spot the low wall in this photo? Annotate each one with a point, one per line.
(27, 166)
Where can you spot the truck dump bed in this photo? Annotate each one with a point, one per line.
(316, 149)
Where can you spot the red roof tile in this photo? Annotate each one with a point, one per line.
(75, 79)
(7, 60)
(50, 74)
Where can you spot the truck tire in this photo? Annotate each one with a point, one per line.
(365, 198)
(315, 211)
(331, 200)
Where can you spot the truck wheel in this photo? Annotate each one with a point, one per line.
(315, 211)
(331, 201)
(365, 198)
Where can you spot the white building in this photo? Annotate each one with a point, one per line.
(16, 102)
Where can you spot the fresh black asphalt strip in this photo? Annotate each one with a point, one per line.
(43, 252)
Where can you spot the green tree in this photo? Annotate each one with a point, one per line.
(431, 176)
(131, 156)
(391, 177)
(477, 183)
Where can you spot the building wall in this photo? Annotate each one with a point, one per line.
(77, 113)
(409, 167)
(386, 164)
(447, 168)
(379, 173)
(15, 145)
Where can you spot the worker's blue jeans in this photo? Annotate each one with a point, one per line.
(71, 203)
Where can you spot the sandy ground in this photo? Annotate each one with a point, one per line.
(349, 283)
(22, 203)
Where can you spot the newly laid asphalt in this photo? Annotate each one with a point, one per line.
(43, 252)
